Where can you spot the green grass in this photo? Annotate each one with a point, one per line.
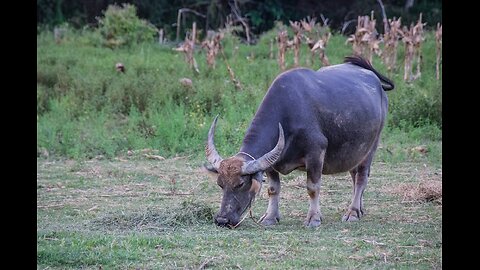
(137, 213)
(85, 108)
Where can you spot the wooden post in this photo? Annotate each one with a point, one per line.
(160, 36)
(179, 16)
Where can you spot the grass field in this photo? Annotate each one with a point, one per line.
(137, 213)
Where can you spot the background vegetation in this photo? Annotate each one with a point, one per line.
(86, 108)
(260, 14)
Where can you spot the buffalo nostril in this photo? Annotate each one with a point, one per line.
(221, 221)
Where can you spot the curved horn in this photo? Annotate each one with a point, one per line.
(268, 159)
(212, 155)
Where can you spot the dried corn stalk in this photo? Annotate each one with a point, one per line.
(438, 41)
(236, 82)
(282, 40)
(357, 38)
(188, 48)
(317, 37)
(212, 45)
(320, 46)
(365, 41)
(297, 41)
(418, 38)
(228, 30)
(413, 38)
(373, 41)
(308, 25)
(390, 40)
(409, 52)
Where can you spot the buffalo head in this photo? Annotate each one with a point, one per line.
(239, 179)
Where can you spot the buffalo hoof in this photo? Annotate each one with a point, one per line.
(313, 221)
(268, 221)
(352, 215)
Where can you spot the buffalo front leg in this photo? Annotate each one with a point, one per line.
(272, 215)
(314, 174)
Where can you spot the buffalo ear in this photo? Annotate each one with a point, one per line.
(209, 167)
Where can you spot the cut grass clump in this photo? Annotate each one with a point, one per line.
(193, 212)
(188, 212)
(425, 191)
(422, 186)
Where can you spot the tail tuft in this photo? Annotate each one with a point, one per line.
(361, 62)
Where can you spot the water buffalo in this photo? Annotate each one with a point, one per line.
(322, 122)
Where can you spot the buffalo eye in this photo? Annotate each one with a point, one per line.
(246, 179)
(241, 185)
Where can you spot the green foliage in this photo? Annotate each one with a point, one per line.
(121, 26)
(86, 108)
(398, 143)
(420, 101)
(264, 13)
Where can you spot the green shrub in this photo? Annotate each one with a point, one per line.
(120, 26)
(420, 101)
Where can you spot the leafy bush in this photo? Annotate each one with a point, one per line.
(120, 26)
(418, 102)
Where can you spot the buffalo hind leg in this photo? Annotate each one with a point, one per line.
(272, 215)
(360, 179)
(314, 174)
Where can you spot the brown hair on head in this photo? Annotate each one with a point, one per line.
(231, 167)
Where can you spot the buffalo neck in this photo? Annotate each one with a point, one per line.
(262, 135)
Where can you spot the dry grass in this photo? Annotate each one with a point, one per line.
(426, 187)
(425, 191)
